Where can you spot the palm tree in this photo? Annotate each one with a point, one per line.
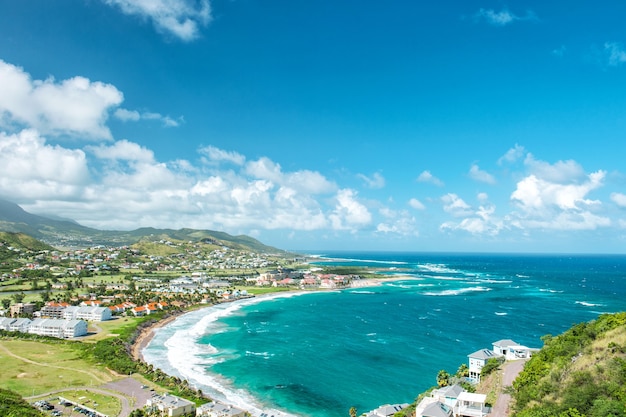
(463, 371)
(443, 378)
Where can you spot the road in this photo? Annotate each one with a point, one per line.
(509, 373)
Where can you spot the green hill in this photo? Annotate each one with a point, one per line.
(69, 234)
(22, 241)
(581, 372)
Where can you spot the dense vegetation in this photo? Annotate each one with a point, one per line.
(12, 405)
(580, 373)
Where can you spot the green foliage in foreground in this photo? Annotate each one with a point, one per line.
(580, 373)
(12, 405)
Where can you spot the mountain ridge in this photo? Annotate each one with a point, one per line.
(69, 233)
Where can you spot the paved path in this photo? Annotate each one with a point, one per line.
(509, 373)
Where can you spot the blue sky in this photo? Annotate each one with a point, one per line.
(458, 126)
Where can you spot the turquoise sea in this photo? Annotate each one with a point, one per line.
(318, 354)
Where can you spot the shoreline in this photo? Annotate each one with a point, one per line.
(147, 334)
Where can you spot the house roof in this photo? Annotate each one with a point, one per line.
(483, 354)
(472, 397)
(388, 410)
(505, 343)
(436, 409)
(451, 391)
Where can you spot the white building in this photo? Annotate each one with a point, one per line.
(477, 360)
(63, 329)
(14, 325)
(215, 409)
(471, 405)
(87, 313)
(447, 395)
(430, 407)
(452, 401)
(511, 350)
(386, 410)
(170, 405)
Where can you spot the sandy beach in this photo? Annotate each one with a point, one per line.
(147, 333)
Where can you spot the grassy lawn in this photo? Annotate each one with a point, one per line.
(264, 290)
(111, 328)
(34, 367)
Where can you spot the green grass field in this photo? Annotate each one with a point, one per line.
(35, 367)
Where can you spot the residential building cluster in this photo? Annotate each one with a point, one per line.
(173, 406)
(505, 349)
(452, 401)
(187, 256)
(54, 319)
(63, 329)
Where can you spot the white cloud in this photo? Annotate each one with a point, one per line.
(217, 155)
(304, 180)
(416, 204)
(31, 169)
(481, 222)
(127, 115)
(427, 177)
(265, 168)
(309, 181)
(512, 155)
(477, 174)
(501, 18)
(123, 150)
(180, 18)
(349, 213)
(376, 181)
(615, 53)
(75, 106)
(397, 222)
(134, 116)
(561, 171)
(619, 199)
(547, 204)
(454, 205)
(533, 193)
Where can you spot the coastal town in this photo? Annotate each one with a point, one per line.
(72, 294)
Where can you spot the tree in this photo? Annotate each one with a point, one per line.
(6, 302)
(443, 378)
(463, 371)
(491, 365)
(19, 297)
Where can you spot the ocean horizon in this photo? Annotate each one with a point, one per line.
(319, 353)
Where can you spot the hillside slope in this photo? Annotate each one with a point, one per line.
(68, 233)
(581, 372)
